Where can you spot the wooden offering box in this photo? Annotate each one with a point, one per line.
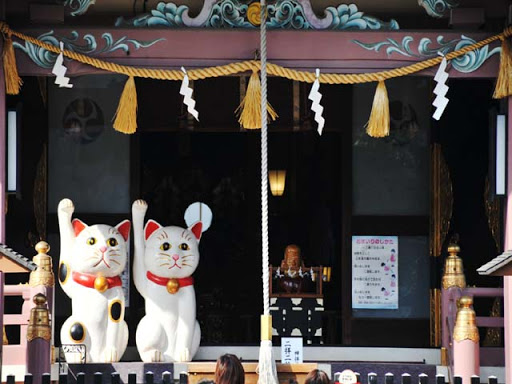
(285, 372)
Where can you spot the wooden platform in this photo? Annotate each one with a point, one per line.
(206, 371)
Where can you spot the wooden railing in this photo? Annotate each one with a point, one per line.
(449, 299)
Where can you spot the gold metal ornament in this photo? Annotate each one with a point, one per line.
(453, 269)
(101, 284)
(173, 286)
(254, 13)
(43, 274)
(39, 322)
(5, 341)
(465, 325)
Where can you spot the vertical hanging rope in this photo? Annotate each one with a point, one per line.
(267, 372)
(264, 161)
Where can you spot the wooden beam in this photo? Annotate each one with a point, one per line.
(334, 52)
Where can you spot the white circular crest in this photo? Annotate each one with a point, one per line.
(347, 377)
(198, 212)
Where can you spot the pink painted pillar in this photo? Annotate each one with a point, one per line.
(3, 186)
(507, 280)
(466, 342)
(1, 319)
(467, 360)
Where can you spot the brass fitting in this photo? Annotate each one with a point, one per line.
(39, 322)
(453, 269)
(465, 325)
(43, 275)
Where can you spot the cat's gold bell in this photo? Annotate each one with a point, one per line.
(173, 286)
(100, 284)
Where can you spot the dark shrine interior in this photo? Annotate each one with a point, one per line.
(175, 162)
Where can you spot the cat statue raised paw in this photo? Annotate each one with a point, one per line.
(92, 259)
(164, 261)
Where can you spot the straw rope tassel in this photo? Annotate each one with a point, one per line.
(249, 110)
(13, 81)
(125, 120)
(378, 124)
(504, 80)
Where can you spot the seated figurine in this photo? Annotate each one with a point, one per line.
(292, 261)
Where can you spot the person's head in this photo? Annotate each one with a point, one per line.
(229, 370)
(317, 376)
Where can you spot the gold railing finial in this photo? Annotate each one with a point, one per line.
(39, 322)
(43, 274)
(465, 325)
(453, 268)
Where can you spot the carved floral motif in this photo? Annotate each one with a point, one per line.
(437, 8)
(78, 7)
(467, 63)
(90, 45)
(282, 14)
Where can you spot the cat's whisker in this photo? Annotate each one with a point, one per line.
(91, 258)
(95, 265)
(115, 261)
(161, 265)
(163, 254)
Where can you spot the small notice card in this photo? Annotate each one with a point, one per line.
(375, 272)
(291, 350)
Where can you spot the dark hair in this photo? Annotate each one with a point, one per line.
(316, 376)
(229, 370)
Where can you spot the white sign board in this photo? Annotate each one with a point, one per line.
(375, 272)
(291, 350)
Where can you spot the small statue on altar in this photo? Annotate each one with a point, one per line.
(291, 272)
(292, 261)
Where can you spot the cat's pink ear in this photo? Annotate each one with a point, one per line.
(124, 229)
(151, 226)
(78, 226)
(197, 230)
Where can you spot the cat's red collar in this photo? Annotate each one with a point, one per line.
(173, 285)
(100, 283)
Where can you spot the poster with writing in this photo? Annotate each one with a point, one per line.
(375, 272)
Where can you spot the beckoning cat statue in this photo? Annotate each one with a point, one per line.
(165, 259)
(92, 259)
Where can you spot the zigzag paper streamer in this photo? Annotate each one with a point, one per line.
(59, 70)
(186, 91)
(315, 96)
(440, 90)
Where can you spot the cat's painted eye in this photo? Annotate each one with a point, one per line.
(112, 242)
(165, 246)
(91, 241)
(184, 247)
